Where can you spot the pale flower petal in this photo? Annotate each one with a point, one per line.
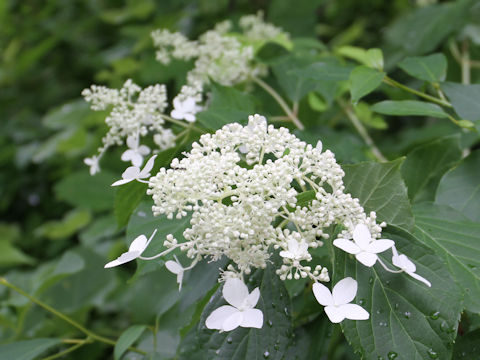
(147, 168)
(131, 173)
(420, 278)
(143, 150)
(139, 244)
(252, 318)
(354, 312)
(235, 292)
(216, 319)
(361, 235)
(252, 298)
(132, 141)
(176, 114)
(121, 182)
(347, 246)
(378, 246)
(233, 321)
(334, 313)
(174, 267)
(124, 258)
(367, 259)
(344, 291)
(322, 294)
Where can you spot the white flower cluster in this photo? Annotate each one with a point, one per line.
(134, 112)
(241, 185)
(226, 58)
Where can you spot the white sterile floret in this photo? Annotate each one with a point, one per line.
(363, 246)
(135, 151)
(92, 162)
(241, 310)
(185, 110)
(137, 247)
(240, 187)
(404, 263)
(176, 268)
(134, 173)
(337, 303)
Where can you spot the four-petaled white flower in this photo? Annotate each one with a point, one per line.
(134, 173)
(136, 152)
(363, 246)
(403, 262)
(137, 247)
(93, 163)
(337, 303)
(295, 250)
(185, 109)
(241, 310)
(176, 268)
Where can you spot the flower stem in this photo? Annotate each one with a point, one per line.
(465, 63)
(435, 100)
(181, 123)
(361, 130)
(290, 113)
(69, 350)
(64, 317)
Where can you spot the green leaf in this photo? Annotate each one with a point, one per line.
(375, 59)
(426, 164)
(431, 68)
(464, 99)
(366, 116)
(27, 349)
(127, 198)
(270, 341)
(457, 240)
(409, 108)
(326, 71)
(127, 338)
(372, 58)
(380, 188)
(363, 80)
(86, 191)
(408, 320)
(142, 221)
(227, 105)
(10, 255)
(460, 187)
(467, 346)
(72, 222)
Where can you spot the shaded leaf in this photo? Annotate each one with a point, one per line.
(27, 349)
(457, 240)
(464, 99)
(460, 187)
(363, 80)
(380, 188)
(409, 108)
(431, 68)
(127, 338)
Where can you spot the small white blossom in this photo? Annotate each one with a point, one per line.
(134, 173)
(137, 247)
(363, 246)
(337, 303)
(185, 110)
(241, 310)
(295, 250)
(176, 268)
(93, 162)
(404, 263)
(136, 152)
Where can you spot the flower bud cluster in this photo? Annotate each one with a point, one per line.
(242, 187)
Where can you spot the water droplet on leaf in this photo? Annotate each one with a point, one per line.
(435, 315)
(392, 355)
(407, 314)
(229, 340)
(432, 354)
(266, 354)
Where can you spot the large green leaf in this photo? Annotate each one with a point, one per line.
(227, 105)
(127, 338)
(409, 108)
(142, 221)
(467, 347)
(426, 164)
(460, 187)
(27, 349)
(457, 240)
(246, 343)
(407, 319)
(380, 188)
(464, 99)
(363, 80)
(83, 190)
(431, 68)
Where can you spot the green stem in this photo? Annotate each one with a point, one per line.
(181, 123)
(280, 102)
(64, 317)
(69, 350)
(361, 130)
(465, 63)
(435, 100)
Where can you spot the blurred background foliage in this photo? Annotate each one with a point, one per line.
(57, 225)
